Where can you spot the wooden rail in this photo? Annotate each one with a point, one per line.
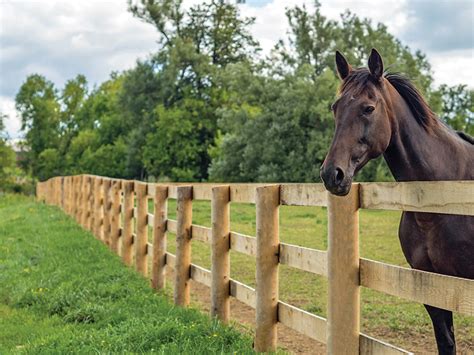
(99, 204)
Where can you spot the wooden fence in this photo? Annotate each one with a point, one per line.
(106, 207)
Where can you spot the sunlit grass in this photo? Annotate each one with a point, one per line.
(63, 291)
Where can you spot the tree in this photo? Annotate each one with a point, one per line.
(285, 133)
(175, 148)
(195, 46)
(71, 99)
(39, 110)
(458, 107)
(7, 157)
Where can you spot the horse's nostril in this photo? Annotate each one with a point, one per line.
(338, 176)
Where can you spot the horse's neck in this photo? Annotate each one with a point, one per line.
(417, 154)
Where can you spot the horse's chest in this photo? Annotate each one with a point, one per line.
(439, 243)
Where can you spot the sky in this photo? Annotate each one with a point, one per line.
(62, 38)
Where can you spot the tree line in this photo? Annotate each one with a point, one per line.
(205, 105)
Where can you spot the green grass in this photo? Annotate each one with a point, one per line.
(388, 318)
(63, 291)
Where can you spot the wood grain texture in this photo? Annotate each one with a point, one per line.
(201, 275)
(172, 225)
(243, 293)
(303, 322)
(115, 216)
(343, 271)
(170, 260)
(244, 244)
(305, 259)
(220, 255)
(447, 292)
(243, 193)
(203, 192)
(267, 201)
(98, 209)
(183, 246)
(201, 233)
(127, 212)
(106, 183)
(370, 346)
(303, 195)
(160, 201)
(91, 207)
(141, 257)
(453, 197)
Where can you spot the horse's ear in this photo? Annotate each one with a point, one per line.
(375, 64)
(343, 68)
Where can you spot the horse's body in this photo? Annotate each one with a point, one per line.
(386, 115)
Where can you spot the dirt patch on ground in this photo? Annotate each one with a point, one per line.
(243, 318)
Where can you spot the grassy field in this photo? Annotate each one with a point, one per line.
(389, 318)
(62, 291)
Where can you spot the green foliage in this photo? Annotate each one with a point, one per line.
(458, 107)
(8, 168)
(49, 164)
(39, 110)
(63, 291)
(203, 106)
(174, 150)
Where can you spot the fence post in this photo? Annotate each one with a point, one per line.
(127, 239)
(91, 205)
(61, 185)
(343, 315)
(141, 240)
(106, 208)
(158, 278)
(98, 211)
(183, 245)
(57, 191)
(115, 216)
(79, 199)
(66, 194)
(74, 197)
(87, 203)
(220, 267)
(267, 201)
(69, 198)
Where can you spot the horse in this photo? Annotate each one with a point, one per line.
(377, 113)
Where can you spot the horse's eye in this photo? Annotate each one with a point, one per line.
(333, 107)
(369, 109)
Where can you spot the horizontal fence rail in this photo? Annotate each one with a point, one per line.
(106, 207)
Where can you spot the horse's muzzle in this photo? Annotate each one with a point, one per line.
(336, 180)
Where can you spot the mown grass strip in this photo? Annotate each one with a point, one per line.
(63, 291)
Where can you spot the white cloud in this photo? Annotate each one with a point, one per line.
(62, 38)
(13, 123)
(453, 67)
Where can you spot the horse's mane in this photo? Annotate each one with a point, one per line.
(466, 137)
(413, 98)
(358, 79)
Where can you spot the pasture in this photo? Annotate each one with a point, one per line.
(63, 291)
(389, 318)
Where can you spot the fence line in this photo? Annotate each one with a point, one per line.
(95, 203)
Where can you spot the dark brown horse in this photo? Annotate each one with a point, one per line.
(378, 113)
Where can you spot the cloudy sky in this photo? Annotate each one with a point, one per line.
(61, 38)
